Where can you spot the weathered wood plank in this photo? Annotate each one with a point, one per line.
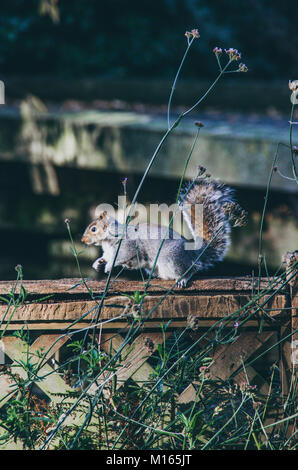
(134, 356)
(290, 260)
(289, 346)
(73, 286)
(229, 357)
(250, 375)
(7, 388)
(173, 306)
(188, 395)
(48, 380)
(47, 344)
(115, 325)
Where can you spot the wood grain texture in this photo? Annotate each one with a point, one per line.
(49, 382)
(134, 356)
(230, 357)
(72, 286)
(205, 299)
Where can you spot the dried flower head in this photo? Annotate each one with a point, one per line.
(293, 85)
(217, 51)
(218, 409)
(188, 34)
(195, 33)
(67, 221)
(199, 124)
(203, 369)
(242, 68)
(233, 53)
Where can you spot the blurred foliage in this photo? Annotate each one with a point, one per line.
(145, 39)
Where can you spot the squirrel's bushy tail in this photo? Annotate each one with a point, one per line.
(219, 213)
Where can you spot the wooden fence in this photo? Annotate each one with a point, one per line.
(54, 309)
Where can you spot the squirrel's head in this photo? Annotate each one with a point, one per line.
(97, 230)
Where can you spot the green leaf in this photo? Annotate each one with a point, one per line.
(137, 296)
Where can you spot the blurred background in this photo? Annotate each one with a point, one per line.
(86, 92)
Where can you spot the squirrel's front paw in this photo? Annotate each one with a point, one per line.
(98, 263)
(108, 268)
(182, 283)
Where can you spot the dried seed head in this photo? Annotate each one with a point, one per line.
(217, 410)
(242, 68)
(195, 33)
(67, 221)
(233, 53)
(188, 34)
(293, 85)
(205, 371)
(217, 51)
(199, 124)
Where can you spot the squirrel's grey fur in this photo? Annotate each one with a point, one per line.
(174, 261)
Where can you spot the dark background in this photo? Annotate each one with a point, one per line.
(124, 55)
(117, 38)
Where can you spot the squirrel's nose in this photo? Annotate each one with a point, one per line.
(83, 239)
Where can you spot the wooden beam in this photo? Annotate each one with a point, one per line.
(73, 286)
(208, 299)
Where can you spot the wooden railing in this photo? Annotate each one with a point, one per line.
(54, 310)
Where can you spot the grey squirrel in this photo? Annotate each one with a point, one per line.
(138, 250)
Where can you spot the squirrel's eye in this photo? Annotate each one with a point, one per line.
(93, 228)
